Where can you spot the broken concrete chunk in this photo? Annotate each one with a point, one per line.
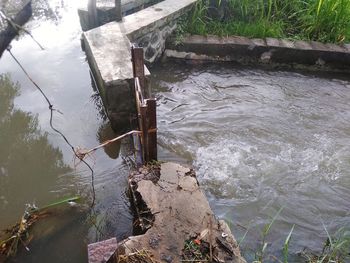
(181, 215)
(102, 252)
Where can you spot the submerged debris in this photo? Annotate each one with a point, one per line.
(13, 237)
(18, 234)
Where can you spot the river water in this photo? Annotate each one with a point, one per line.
(259, 140)
(262, 141)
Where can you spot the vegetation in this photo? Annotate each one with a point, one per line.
(335, 249)
(319, 20)
(19, 233)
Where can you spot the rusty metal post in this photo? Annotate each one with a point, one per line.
(146, 108)
(152, 129)
(144, 135)
(92, 13)
(118, 10)
(138, 66)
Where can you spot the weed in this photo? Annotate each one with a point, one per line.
(335, 249)
(320, 20)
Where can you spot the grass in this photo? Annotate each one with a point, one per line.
(335, 249)
(19, 233)
(319, 20)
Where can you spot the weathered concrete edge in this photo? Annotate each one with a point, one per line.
(179, 211)
(128, 6)
(108, 50)
(132, 26)
(162, 14)
(263, 51)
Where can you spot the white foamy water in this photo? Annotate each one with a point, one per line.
(262, 140)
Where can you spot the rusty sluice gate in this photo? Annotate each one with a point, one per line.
(146, 110)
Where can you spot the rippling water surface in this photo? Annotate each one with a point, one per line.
(261, 140)
(36, 165)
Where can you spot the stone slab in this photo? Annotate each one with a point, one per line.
(155, 16)
(102, 252)
(181, 211)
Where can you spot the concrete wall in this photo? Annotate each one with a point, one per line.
(108, 49)
(153, 42)
(268, 51)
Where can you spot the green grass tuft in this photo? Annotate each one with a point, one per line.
(319, 20)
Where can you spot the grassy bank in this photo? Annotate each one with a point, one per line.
(318, 20)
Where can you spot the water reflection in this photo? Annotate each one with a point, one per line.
(29, 164)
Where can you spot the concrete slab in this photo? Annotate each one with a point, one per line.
(103, 251)
(180, 211)
(148, 19)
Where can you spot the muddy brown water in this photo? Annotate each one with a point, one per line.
(259, 140)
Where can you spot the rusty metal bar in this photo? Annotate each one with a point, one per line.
(118, 10)
(92, 13)
(152, 128)
(138, 66)
(144, 130)
(146, 108)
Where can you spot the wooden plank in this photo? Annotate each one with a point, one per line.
(152, 129)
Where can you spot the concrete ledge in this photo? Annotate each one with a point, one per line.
(108, 50)
(172, 208)
(269, 50)
(106, 11)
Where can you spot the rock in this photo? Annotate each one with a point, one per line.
(180, 212)
(103, 251)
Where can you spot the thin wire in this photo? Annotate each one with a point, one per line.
(18, 28)
(56, 130)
